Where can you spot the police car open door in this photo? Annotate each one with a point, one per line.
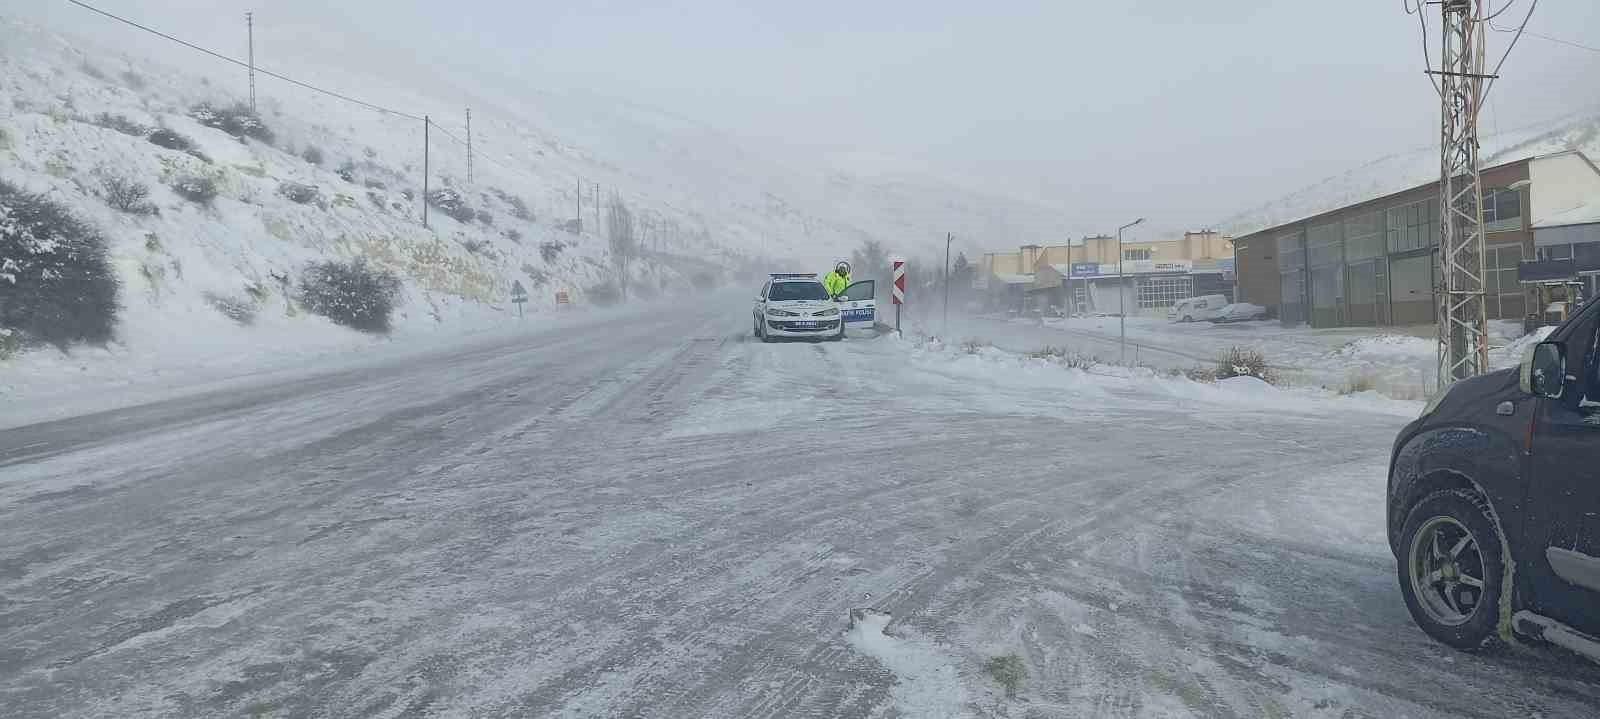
(859, 305)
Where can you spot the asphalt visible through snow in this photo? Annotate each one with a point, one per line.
(659, 516)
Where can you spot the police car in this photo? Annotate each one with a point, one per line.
(797, 305)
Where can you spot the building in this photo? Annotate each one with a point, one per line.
(1373, 262)
(1148, 278)
(1082, 276)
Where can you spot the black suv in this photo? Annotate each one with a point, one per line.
(1494, 500)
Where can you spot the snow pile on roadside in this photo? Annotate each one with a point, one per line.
(987, 366)
(1384, 346)
(928, 683)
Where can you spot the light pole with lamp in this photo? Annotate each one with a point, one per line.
(1122, 298)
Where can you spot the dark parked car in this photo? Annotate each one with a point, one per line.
(1494, 500)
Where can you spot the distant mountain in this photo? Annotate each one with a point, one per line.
(1398, 171)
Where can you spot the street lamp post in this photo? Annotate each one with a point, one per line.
(944, 327)
(1122, 298)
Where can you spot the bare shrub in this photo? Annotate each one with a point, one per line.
(238, 309)
(451, 203)
(551, 250)
(312, 154)
(163, 137)
(199, 189)
(121, 124)
(237, 120)
(298, 193)
(127, 194)
(1240, 362)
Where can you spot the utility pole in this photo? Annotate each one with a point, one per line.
(597, 224)
(945, 325)
(250, 28)
(1462, 321)
(580, 206)
(425, 123)
(1122, 299)
(469, 148)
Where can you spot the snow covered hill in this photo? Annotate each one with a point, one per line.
(337, 180)
(1398, 171)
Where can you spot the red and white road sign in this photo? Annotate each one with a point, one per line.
(899, 281)
(561, 298)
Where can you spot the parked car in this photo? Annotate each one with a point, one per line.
(797, 305)
(1197, 309)
(1494, 500)
(1240, 312)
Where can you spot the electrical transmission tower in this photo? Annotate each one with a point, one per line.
(250, 29)
(1462, 321)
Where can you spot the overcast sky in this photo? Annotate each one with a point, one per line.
(1177, 110)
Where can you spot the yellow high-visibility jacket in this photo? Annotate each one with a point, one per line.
(835, 283)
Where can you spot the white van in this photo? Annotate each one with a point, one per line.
(1197, 309)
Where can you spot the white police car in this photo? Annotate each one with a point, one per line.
(797, 305)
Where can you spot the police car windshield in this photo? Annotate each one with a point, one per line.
(782, 291)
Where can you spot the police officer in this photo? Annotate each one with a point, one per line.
(837, 280)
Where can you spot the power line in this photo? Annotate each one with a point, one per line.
(292, 81)
(1543, 36)
(1494, 74)
(1427, 61)
(241, 63)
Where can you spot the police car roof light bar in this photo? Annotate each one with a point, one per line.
(793, 275)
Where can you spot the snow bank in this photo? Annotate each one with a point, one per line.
(928, 683)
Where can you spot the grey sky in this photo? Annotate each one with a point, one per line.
(1177, 110)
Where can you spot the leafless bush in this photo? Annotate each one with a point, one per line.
(551, 250)
(121, 124)
(1240, 362)
(312, 154)
(298, 193)
(127, 194)
(199, 189)
(238, 309)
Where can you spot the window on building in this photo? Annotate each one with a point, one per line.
(1132, 255)
(1325, 245)
(1291, 252)
(1363, 237)
(1556, 252)
(1412, 227)
(1502, 210)
(1162, 292)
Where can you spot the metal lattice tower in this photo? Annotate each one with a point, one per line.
(250, 27)
(1462, 320)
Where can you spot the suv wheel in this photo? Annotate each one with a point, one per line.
(1452, 568)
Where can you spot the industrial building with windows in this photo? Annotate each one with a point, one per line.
(1374, 262)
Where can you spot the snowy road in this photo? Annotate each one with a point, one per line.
(656, 516)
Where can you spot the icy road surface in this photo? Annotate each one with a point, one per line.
(657, 516)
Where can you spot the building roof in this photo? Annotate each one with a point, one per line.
(1391, 195)
(1587, 213)
(1012, 278)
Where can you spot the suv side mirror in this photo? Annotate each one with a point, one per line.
(1544, 370)
(841, 298)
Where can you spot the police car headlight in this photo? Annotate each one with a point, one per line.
(831, 311)
(782, 313)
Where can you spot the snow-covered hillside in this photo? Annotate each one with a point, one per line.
(1398, 171)
(75, 116)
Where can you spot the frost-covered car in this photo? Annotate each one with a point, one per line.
(797, 305)
(1494, 500)
(1240, 312)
